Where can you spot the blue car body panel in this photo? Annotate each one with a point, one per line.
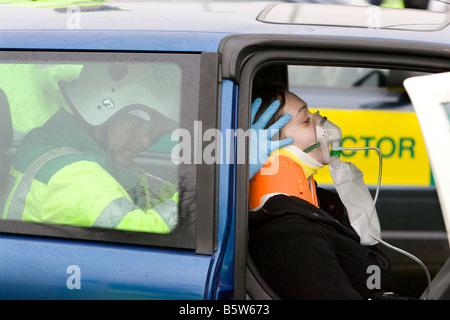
(113, 40)
(222, 282)
(34, 268)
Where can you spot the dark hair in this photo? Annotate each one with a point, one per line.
(269, 92)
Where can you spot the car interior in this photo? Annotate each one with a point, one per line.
(398, 207)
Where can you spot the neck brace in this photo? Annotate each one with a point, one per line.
(291, 174)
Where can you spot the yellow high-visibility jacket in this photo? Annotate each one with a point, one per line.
(61, 175)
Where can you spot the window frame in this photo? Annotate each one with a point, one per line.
(202, 240)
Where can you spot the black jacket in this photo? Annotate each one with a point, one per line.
(304, 252)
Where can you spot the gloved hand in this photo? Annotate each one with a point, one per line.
(261, 145)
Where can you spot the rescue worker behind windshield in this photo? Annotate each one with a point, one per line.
(77, 169)
(300, 237)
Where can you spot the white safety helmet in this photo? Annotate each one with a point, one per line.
(102, 90)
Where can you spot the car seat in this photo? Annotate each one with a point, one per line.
(256, 287)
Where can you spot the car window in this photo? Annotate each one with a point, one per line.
(93, 140)
(373, 110)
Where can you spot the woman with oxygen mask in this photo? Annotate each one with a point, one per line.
(313, 135)
(307, 242)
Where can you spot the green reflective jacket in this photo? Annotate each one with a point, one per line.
(61, 175)
(393, 3)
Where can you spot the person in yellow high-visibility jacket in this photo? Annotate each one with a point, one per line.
(77, 168)
(388, 3)
(42, 98)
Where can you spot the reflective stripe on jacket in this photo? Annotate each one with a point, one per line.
(81, 194)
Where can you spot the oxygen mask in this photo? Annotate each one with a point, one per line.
(328, 137)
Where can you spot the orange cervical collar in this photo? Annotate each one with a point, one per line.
(282, 174)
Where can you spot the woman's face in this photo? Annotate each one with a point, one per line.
(302, 126)
(129, 136)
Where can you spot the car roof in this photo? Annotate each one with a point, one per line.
(200, 25)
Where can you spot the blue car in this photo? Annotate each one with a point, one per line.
(199, 61)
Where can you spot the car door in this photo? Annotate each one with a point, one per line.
(45, 260)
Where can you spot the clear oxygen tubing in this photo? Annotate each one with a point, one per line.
(411, 256)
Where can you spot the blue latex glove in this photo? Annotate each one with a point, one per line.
(261, 145)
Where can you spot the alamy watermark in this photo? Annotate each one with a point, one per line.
(74, 19)
(374, 279)
(74, 280)
(213, 146)
(373, 20)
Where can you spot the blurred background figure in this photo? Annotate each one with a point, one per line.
(433, 5)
